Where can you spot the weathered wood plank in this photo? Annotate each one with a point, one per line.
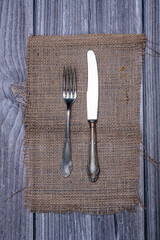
(16, 25)
(123, 17)
(152, 119)
(78, 17)
(66, 17)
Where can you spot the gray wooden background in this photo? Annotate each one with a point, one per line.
(18, 20)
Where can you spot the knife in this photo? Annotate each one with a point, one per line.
(92, 112)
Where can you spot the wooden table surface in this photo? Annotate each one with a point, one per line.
(18, 20)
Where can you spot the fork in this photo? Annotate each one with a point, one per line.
(69, 96)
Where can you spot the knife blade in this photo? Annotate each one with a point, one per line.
(92, 114)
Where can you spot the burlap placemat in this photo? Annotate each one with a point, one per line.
(119, 59)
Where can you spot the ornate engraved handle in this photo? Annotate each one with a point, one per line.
(93, 167)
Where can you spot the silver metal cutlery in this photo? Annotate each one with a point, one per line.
(69, 96)
(92, 114)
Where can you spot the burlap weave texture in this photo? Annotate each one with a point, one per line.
(119, 59)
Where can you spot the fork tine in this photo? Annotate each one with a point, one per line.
(68, 81)
(74, 78)
(64, 76)
(71, 82)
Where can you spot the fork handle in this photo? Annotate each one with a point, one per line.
(93, 166)
(66, 164)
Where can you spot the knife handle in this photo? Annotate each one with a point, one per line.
(93, 167)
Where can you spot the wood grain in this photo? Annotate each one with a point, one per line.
(64, 17)
(79, 17)
(16, 25)
(151, 130)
